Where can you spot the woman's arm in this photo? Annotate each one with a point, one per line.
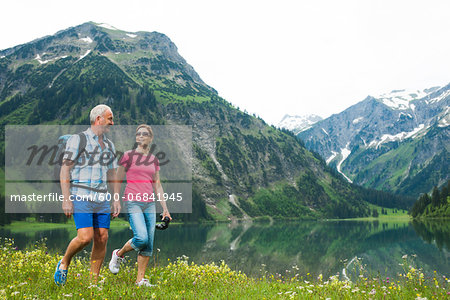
(113, 177)
(120, 175)
(159, 192)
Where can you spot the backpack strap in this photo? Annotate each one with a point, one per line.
(81, 149)
(81, 145)
(88, 188)
(110, 147)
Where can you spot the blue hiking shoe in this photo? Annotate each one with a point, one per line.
(60, 275)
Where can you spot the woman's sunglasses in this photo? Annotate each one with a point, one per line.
(142, 133)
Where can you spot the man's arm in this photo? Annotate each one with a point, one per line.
(64, 179)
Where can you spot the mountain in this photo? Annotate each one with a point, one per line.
(396, 142)
(297, 124)
(241, 166)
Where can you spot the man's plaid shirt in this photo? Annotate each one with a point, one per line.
(93, 165)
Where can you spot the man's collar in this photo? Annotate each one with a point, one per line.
(91, 133)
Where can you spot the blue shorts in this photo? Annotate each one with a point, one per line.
(92, 214)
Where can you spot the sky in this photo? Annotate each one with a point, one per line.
(272, 58)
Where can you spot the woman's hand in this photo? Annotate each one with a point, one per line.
(166, 214)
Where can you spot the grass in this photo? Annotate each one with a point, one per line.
(28, 274)
(391, 216)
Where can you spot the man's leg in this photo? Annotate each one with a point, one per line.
(83, 238)
(101, 225)
(85, 233)
(98, 250)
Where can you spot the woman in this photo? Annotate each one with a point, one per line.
(142, 169)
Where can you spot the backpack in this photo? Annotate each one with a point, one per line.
(61, 148)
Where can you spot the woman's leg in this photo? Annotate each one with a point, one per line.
(126, 248)
(140, 236)
(145, 253)
(142, 266)
(138, 225)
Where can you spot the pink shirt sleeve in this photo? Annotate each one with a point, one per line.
(124, 160)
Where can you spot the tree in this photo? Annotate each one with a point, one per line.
(444, 194)
(375, 213)
(435, 197)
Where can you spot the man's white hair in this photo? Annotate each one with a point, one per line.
(99, 110)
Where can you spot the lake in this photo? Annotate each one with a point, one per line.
(286, 248)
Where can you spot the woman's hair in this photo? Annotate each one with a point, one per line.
(149, 129)
(99, 110)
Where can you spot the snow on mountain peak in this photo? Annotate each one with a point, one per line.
(86, 40)
(444, 119)
(438, 98)
(398, 137)
(39, 59)
(84, 55)
(345, 152)
(107, 26)
(400, 99)
(357, 120)
(298, 123)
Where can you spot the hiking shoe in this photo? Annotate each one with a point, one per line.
(144, 282)
(60, 275)
(114, 264)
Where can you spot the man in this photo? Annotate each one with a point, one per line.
(85, 194)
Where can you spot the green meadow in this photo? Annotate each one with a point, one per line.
(28, 274)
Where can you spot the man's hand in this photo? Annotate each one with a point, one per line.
(67, 207)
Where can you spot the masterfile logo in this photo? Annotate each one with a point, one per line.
(32, 153)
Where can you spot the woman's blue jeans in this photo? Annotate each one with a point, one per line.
(142, 220)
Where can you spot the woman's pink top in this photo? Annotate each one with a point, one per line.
(140, 172)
